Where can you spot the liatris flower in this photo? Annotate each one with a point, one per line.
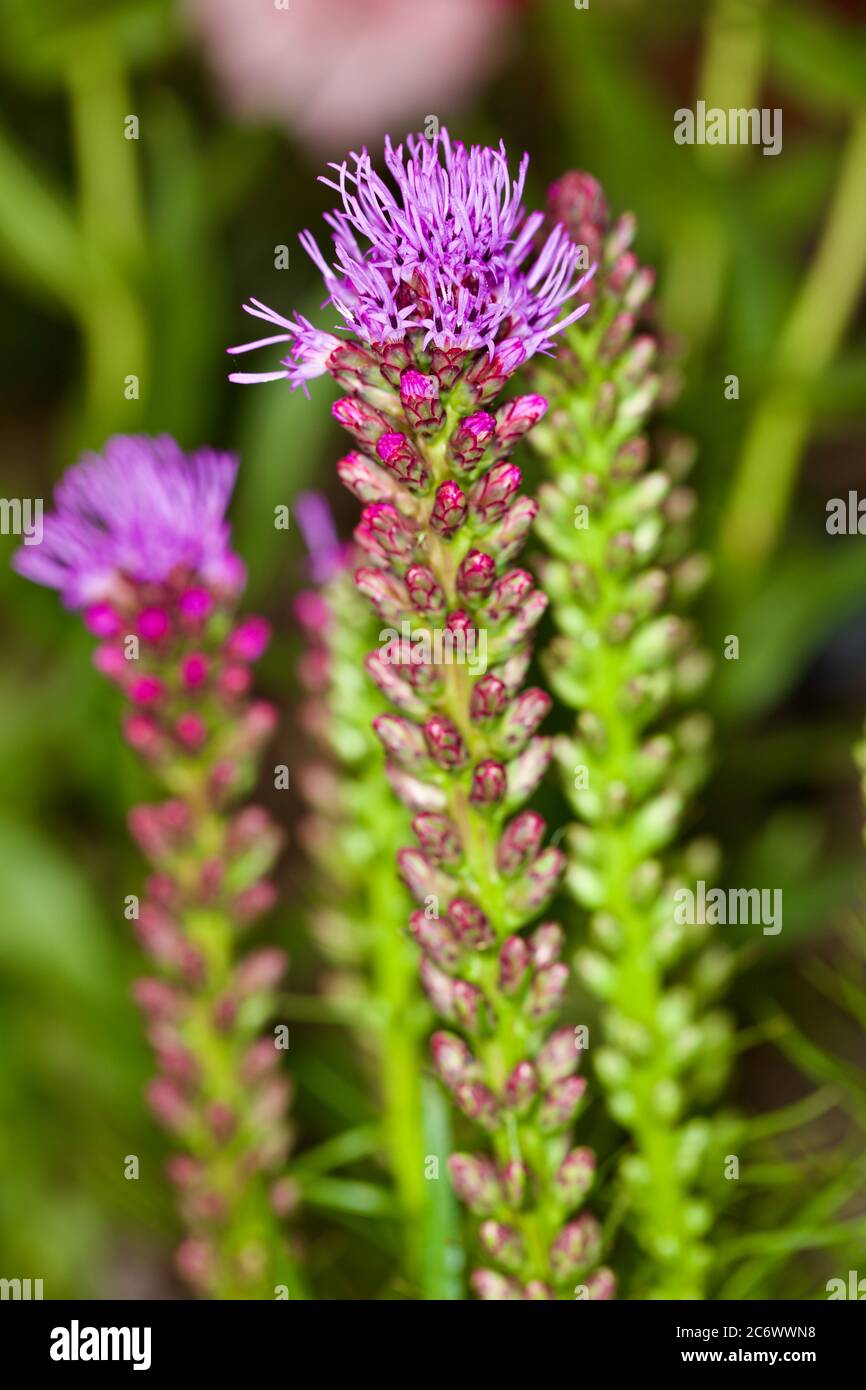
(443, 311)
(352, 832)
(139, 545)
(619, 577)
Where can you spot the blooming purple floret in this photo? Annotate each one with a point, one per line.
(142, 511)
(449, 253)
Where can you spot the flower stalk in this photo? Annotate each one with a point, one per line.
(614, 518)
(138, 544)
(442, 313)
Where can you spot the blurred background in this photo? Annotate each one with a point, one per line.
(158, 159)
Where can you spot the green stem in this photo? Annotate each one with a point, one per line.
(763, 486)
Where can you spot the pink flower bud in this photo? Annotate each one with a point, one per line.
(488, 783)
(520, 842)
(234, 682)
(471, 927)
(492, 1287)
(249, 639)
(360, 419)
(452, 1059)
(111, 662)
(196, 1263)
(384, 591)
(194, 670)
(521, 1087)
(438, 838)
(502, 1242)
(574, 1176)
(488, 699)
(469, 441)
(514, 963)
(449, 508)
(514, 1178)
(191, 730)
(560, 1104)
(422, 878)
(478, 1103)
(444, 742)
(424, 590)
(383, 532)
(195, 605)
(284, 1197)
(506, 539)
(402, 739)
(438, 987)
(531, 892)
(487, 375)
(436, 939)
(262, 970)
(525, 772)
(402, 461)
(577, 1246)
(421, 404)
(546, 944)
(509, 594)
(523, 717)
(102, 621)
(259, 1060)
(417, 795)
(183, 1170)
(157, 999)
(368, 482)
(221, 1121)
(601, 1285)
(516, 418)
(169, 1104)
(146, 690)
(490, 497)
(475, 1182)
(143, 735)
(476, 575)
(153, 624)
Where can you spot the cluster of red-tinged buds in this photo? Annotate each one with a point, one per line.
(225, 1101)
(184, 665)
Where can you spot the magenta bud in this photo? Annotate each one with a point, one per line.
(536, 1291)
(526, 771)
(558, 1058)
(402, 461)
(520, 842)
(191, 731)
(394, 358)
(382, 666)
(360, 419)
(434, 937)
(478, 1103)
(254, 901)
(532, 891)
(421, 403)
(194, 670)
(601, 1285)
(469, 441)
(195, 604)
(444, 742)
(574, 1176)
(350, 365)
(383, 532)
(514, 1177)
(489, 782)
(476, 575)
(546, 943)
(424, 590)
(506, 539)
(514, 963)
(448, 364)
(502, 1243)
(488, 699)
(262, 970)
(438, 838)
(487, 375)
(509, 594)
(364, 479)
(516, 418)
(470, 1007)
(449, 508)
(452, 1059)
(547, 991)
(422, 878)
(529, 616)
(577, 1246)
(521, 1087)
(249, 639)
(624, 268)
(438, 987)
(471, 927)
(259, 1060)
(417, 795)
(221, 1121)
(158, 999)
(475, 1182)
(384, 591)
(402, 739)
(153, 624)
(492, 1287)
(523, 717)
(183, 1170)
(169, 1104)
(490, 497)
(560, 1104)
(146, 690)
(102, 621)
(195, 1263)
(578, 202)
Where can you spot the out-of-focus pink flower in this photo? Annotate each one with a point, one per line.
(342, 71)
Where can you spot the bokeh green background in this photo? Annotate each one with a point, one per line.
(121, 257)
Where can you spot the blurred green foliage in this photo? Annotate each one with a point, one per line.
(132, 257)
